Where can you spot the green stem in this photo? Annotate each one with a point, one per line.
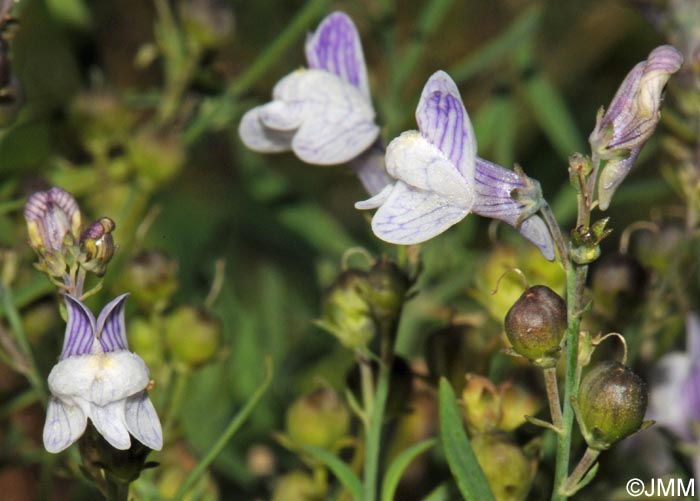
(233, 426)
(575, 282)
(176, 400)
(582, 467)
(367, 383)
(374, 434)
(550, 379)
(268, 59)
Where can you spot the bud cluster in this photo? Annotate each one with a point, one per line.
(54, 224)
(361, 304)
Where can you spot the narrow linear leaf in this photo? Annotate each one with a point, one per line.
(342, 472)
(458, 451)
(553, 115)
(233, 426)
(399, 465)
(440, 493)
(495, 50)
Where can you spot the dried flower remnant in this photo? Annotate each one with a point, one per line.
(630, 120)
(439, 179)
(97, 377)
(324, 114)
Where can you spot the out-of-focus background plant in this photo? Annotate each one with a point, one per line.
(233, 257)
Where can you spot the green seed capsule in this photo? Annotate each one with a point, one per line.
(535, 325)
(507, 470)
(612, 402)
(319, 419)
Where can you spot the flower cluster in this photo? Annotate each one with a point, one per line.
(324, 115)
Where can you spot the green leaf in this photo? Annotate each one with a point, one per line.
(458, 451)
(398, 466)
(553, 115)
(341, 471)
(523, 28)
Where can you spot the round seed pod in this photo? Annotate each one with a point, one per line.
(535, 325)
(612, 401)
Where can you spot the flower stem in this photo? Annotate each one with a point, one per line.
(575, 282)
(550, 379)
(117, 490)
(367, 383)
(582, 467)
(374, 432)
(265, 61)
(233, 426)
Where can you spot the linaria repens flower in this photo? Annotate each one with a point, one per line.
(97, 377)
(439, 179)
(53, 219)
(323, 114)
(621, 132)
(674, 401)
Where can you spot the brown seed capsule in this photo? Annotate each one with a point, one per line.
(535, 325)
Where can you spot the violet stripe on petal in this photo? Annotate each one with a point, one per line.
(79, 330)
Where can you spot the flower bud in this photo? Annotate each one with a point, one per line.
(209, 23)
(53, 223)
(612, 401)
(145, 339)
(152, 277)
(488, 408)
(346, 313)
(618, 282)
(621, 132)
(192, 335)
(158, 156)
(320, 419)
(535, 325)
(97, 245)
(506, 468)
(482, 404)
(296, 486)
(387, 287)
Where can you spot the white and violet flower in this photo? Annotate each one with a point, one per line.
(324, 114)
(630, 120)
(97, 377)
(674, 401)
(439, 179)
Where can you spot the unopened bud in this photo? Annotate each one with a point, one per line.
(207, 22)
(320, 419)
(387, 288)
(297, 486)
(53, 222)
(535, 325)
(506, 468)
(152, 277)
(612, 401)
(97, 245)
(192, 335)
(346, 313)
